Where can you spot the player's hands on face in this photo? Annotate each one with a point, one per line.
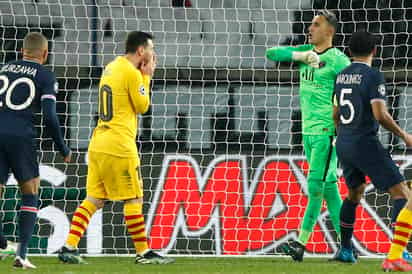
(154, 60)
(408, 140)
(308, 57)
(68, 158)
(148, 67)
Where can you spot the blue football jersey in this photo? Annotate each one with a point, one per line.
(356, 88)
(23, 84)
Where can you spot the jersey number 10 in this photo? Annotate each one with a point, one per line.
(105, 103)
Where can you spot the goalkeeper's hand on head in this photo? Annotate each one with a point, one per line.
(308, 57)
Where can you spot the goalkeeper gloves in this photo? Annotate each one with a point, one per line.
(308, 57)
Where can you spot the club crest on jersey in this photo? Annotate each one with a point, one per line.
(381, 89)
(142, 90)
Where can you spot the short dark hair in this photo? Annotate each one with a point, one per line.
(330, 17)
(34, 41)
(136, 39)
(362, 43)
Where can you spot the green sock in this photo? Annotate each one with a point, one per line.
(334, 203)
(304, 236)
(315, 190)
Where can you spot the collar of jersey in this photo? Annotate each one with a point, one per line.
(325, 50)
(30, 61)
(360, 63)
(124, 59)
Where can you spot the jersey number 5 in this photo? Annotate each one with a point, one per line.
(9, 88)
(105, 103)
(346, 103)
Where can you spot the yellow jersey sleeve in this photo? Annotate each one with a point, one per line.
(139, 92)
(123, 95)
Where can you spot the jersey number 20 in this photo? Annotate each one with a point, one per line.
(8, 88)
(346, 103)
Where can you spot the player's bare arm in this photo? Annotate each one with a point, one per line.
(381, 114)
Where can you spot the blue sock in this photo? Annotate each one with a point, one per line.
(3, 241)
(27, 220)
(397, 206)
(347, 220)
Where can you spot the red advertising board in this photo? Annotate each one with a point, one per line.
(248, 214)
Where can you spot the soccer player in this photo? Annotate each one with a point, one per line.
(395, 260)
(113, 172)
(25, 85)
(358, 111)
(319, 63)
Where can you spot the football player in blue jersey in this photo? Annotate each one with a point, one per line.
(25, 87)
(358, 110)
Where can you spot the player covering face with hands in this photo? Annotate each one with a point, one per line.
(149, 60)
(114, 164)
(319, 63)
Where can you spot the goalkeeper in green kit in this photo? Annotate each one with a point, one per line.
(319, 63)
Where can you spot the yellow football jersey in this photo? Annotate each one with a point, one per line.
(123, 94)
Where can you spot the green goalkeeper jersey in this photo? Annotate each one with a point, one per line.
(316, 86)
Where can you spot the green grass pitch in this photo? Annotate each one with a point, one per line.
(193, 265)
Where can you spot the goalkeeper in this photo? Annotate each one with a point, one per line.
(319, 63)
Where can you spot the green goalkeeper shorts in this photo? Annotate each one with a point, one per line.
(321, 155)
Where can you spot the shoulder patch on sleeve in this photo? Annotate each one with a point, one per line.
(142, 90)
(382, 89)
